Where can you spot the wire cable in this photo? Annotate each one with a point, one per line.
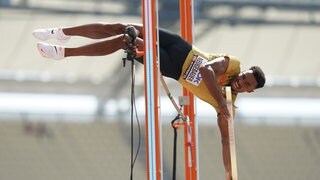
(175, 137)
(134, 111)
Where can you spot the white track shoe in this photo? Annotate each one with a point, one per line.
(51, 51)
(51, 33)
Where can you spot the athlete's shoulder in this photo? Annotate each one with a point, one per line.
(234, 64)
(234, 60)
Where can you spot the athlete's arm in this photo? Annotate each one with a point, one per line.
(223, 126)
(209, 73)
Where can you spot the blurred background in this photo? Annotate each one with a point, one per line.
(70, 119)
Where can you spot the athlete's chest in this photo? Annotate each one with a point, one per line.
(192, 74)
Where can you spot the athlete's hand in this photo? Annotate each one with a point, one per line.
(228, 176)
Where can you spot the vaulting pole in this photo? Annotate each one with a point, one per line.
(151, 77)
(232, 141)
(191, 131)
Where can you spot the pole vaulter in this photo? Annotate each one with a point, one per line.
(203, 74)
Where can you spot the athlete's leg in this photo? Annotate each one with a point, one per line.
(93, 31)
(102, 48)
(98, 30)
(97, 49)
(106, 47)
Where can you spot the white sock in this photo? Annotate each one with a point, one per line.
(59, 34)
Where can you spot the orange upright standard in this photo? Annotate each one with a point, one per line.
(190, 131)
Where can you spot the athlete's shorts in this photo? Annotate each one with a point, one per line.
(173, 52)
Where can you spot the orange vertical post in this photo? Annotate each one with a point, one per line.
(151, 76)
(191, 160)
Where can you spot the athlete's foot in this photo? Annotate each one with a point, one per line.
(51, 33)
(51, 51)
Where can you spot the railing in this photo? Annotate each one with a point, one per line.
(130, 6)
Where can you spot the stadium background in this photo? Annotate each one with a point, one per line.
(70, 119)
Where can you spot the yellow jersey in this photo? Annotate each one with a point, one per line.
(190, 77)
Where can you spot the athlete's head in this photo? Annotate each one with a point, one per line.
(248, 80)
(259, 76)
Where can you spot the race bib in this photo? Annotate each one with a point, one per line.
(192, 74)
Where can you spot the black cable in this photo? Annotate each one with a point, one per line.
(174, 166)
(131, 114)
(130, 51)
(134, 110)
(174, 155)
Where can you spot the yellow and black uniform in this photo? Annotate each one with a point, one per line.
(173, 51)
(181, 61)
(191, 79)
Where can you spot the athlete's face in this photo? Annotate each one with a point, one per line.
(244, 82)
